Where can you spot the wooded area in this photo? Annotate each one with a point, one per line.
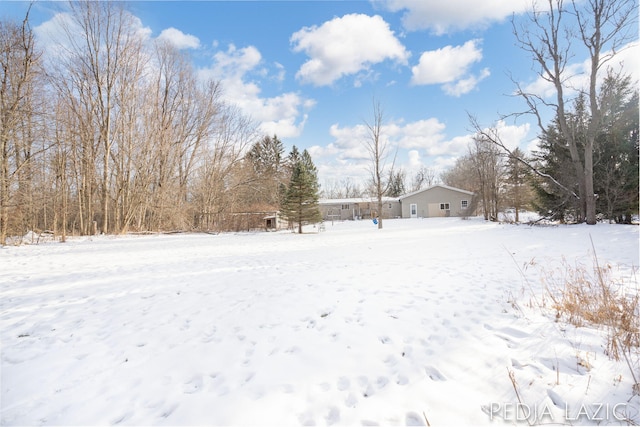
(594, 127)
(112, 134)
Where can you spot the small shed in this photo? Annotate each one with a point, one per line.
(438, 201)
(274, 222)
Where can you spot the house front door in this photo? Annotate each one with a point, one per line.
(413, 208)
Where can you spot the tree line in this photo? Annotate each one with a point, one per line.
(587, 163)
(546, 180)
(110, 132)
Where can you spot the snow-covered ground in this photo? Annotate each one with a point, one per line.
(420, 323)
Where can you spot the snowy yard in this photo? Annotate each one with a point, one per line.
(411, 324)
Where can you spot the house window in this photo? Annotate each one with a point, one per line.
(345, 207)
(464, 204)
(444, 206)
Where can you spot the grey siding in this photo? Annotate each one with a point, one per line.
(434, 201)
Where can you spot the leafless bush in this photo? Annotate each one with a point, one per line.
(592, 295)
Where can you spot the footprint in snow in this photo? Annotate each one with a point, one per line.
(169, 410)
(306, 419)
(333, 416)
(351, 401)
(381, 382)
(194, 385)
(434, 374)
(293, 350)
(121, 418)
(343, 383)
(402, 380)
(414, 419)
(325, 386)
(367, 388)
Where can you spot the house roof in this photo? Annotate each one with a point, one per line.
(471, 193)
(356, 200)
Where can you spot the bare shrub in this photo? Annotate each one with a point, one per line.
(592, 295)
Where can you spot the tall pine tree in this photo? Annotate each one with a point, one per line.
(266, 173)
(300, 202)
(553, 159)
(615, 158)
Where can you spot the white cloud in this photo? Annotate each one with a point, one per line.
(513, 136)
(464, 86)
(237, 62)
(626, 60)
(443, 17)
(348, 143)
(420, 143)
(52, 37)
(447, 64)
(345, 46)
(179, 39)
(57, 36)
(281, 72)
(283, 115)
(423, 136)
(414, 159)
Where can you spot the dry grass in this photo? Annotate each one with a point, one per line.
(597, 295)
(590, 295)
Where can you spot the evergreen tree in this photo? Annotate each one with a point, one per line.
(615, 158)
(616, 154)
(300, 202)
(267, 172)
(553, 159)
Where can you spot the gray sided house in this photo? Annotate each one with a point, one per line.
(438, 201)
(358, 208)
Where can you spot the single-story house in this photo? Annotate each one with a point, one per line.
(358, 208)
(437, 201)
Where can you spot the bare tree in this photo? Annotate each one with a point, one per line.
(98, 64)
(602, 27)
(220, 173)
(132, 95)
(461, 175)
(343, 189)
(397, 186)
(425, 177)
(377, 147)
(492, 135)
(480, 171)
(488, 168)
(20, 73)
(518, 192)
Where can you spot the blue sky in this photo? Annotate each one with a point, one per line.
(308, 71)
